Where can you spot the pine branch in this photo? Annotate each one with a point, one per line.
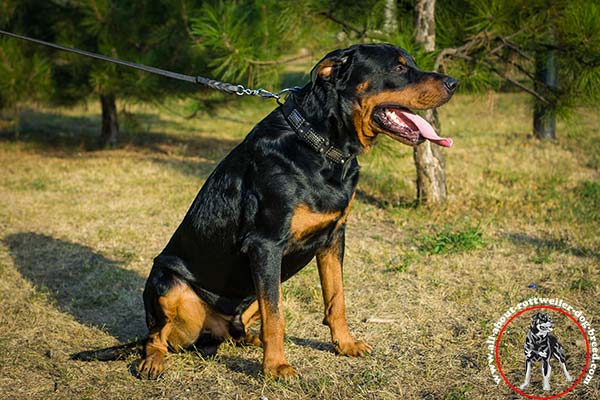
(278, 62)
(362, 33)
(520, 68)
(503, 75)
(454, 51)
(465, 52)
(184, 17)
(507, 43)
(97, 13)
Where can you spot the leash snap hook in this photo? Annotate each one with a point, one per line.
(240, 90)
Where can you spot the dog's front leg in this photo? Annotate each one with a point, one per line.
(546, 370)
(527, 375)
(330, 261)
(266, 273)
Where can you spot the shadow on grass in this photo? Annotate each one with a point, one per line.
(69, 135)
(94, 289)
(382, 203)
(251, 367)
(560, 245)
(240, 364)
(48, 130)
(313, 344)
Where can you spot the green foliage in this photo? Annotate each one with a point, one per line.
(459, 392)
(239, 38)
(588, 194)
(149, 32)
(582, 284)
(530, 28)
(591, 192)
(401, 263)
(543, 255)
(251, 42)
(22, 76)
(451, 242)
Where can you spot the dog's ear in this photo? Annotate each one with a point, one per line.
(535, 318)
(327, 68)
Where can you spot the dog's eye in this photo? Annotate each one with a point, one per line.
(400, 69)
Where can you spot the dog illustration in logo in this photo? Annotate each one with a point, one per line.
(541, 345)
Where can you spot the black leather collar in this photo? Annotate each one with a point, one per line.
(308, 134)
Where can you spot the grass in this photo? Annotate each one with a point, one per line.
(448, 242)
(79, 229)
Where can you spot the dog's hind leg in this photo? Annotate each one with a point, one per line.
(563, 364)
(567, 375)
(546, 370)
(527, 375)
(175, 316)
(248, 317)
(560, 356)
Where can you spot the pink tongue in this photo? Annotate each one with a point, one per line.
(427, 130)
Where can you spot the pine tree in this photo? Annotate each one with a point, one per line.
(150, 32)
(549, 49)
(25, 73)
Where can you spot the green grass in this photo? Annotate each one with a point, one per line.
(451, 242)
(79, 229)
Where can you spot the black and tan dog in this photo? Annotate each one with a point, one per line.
(279, 199)
(541, 345)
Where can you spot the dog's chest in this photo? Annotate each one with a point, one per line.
(309, 231)
(306, 221)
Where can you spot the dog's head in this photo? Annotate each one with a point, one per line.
(541, 324)
(375, 86)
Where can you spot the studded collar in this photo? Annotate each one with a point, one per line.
(309, 135)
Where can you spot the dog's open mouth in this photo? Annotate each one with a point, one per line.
(406, 126)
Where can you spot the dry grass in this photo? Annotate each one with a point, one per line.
(78, 231)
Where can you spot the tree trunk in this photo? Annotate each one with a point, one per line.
(544, 115)
(390, 21)
(17, 121)
(425, 23)
(110, 124)
(429, 160)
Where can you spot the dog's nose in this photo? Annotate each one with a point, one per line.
(450, 84)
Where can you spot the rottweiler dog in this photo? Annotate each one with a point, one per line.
(541, 345)
(280, 199)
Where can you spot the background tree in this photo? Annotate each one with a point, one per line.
(24, 71)
(549, 49)
(150, 32)
(429, 159)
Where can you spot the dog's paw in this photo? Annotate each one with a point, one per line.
(355, 348)
(282, 371)
(568, 377)
(546, 386)
(523, 386)
(152, 366)
(250, 339)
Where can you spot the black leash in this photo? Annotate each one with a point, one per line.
(230, 88)
(298, 123)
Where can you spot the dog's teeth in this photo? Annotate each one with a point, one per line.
(392, 116)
